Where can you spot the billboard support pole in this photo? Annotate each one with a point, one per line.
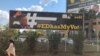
(83, 30)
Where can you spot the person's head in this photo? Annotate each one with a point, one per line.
(11, 41)
(23, 21)
(95, 7)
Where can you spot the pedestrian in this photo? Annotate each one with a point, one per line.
(11, 49)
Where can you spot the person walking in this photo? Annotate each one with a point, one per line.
(11, 49)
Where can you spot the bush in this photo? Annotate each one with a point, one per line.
(78, 43)
(54, 40)
(3, 46)
(31, 41)
(2, 53)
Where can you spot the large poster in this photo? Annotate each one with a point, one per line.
(45, 20)
(81, 3)
(74, 6)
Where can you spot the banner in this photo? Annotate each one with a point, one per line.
(81, 3)
(45, 20)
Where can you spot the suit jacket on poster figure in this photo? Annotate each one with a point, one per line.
(11, 49)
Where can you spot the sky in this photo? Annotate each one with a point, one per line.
(29, 5)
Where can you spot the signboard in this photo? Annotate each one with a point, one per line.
(81, 3)
(74, 7)
(45, 20)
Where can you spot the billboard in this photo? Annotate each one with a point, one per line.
(74, 6)
(81, 3)
(45, 20)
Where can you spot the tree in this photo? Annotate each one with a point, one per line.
(85, 13)
(31, 41)
(90, 15)
(78, 40)
(54, 40)
(5, 35)
(10, 33)
(41, 32)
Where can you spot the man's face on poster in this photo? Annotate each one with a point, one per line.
(23, 21)
(95, 8)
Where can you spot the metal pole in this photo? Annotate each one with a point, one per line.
(83, 30)
(97, 35)
(66, 38)
(65, 46)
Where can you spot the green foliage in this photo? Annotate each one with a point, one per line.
(3, 46)
(31, 40)
(2, 53)
(21, 47)
(54, 40)
(88, 14)
(5, 35)
(83, 11)
(78, 43)
(29, 45)
(92, 14)
(10, 33)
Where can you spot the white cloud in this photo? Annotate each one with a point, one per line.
(32, 8)
(47, 2)
(21, 9)
(4, 14)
